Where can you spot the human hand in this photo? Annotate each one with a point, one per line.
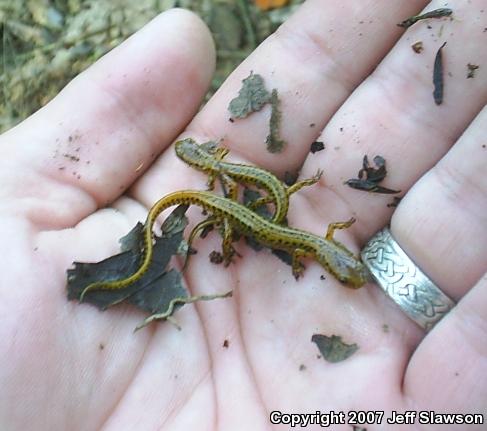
(70, 366)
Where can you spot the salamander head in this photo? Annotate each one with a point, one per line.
(187, 150)
(343, 265)
(191, 152)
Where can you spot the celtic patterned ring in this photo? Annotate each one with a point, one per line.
(404, 282)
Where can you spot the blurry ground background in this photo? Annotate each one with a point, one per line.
(45, 43)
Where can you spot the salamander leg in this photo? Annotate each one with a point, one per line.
(227, 248)
(210, 183)
(303, 183)
(220, 153)
(339, 225)
(297, 266)
(229, 186)
(289, 191)
(261, 201)
(201, 226)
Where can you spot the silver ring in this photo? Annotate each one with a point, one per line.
(404, 282)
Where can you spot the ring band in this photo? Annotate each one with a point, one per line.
(404, 282)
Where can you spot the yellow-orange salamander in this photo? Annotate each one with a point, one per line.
(208, 157)
(331, 254)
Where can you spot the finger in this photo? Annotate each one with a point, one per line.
(93, 140)
(307, 66)
(315, 60)
(393, 114)
(442, 223)
(448, 371)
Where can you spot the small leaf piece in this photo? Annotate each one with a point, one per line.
(333, 349)
(112, 268)
(156, 296)
(438, 76)
(437, 13)
(126, 263)
(274, 143)
(133, 240)
(370, 177)
(251, 97)
(317, 146)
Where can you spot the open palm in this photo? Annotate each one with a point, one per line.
(78, 174)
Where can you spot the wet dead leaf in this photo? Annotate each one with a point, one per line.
(316, 146)
(333, 349)
(156, 296)
(370, 177)
(251, 97)
(290, 177)
(437, 13)
(274, 143)
(158, 291)
(438, 76)
(126, 263)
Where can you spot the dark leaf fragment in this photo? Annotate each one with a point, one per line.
(437, 13)
(115, 267)
(471, 70)
(157, 295)
(133, 240)
(370, 173)
(370, 177)
(158, 291)
(290, 177)
(368, 186)
(438, 76)
(317, 146)
(126, 263)
(251, 97)
(333, 349)
(175, 222)
(284, 256)
(274, 143)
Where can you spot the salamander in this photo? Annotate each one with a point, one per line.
(208, 157)
(331, 254)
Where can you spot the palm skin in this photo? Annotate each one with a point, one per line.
(69, 366)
